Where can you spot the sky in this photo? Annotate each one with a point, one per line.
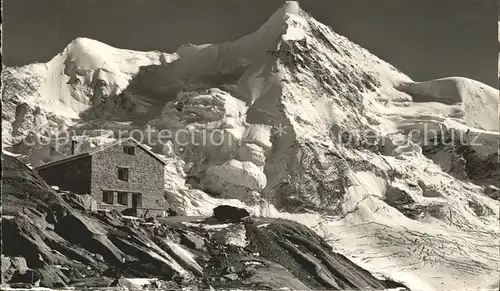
(426, 39)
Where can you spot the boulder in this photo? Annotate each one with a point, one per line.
(492, 191)
(192, 240)
(50, 276)
(231, 277)
(95, 282)
(83, 202)
(13, 267)
(234, 235)
(151, 220)
(89, 234)
(230, 213)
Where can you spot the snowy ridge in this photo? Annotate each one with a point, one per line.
(424, 214)
(40, 98)
(89, 63)
(479, 102)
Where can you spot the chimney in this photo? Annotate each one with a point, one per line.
(73, 146)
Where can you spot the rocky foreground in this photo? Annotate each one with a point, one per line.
(400, 176)
(53, 242)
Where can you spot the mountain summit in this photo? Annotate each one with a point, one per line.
(399, 176)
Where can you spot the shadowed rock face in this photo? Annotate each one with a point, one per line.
(59, 245)
(464, 161)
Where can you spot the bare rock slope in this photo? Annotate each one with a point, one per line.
(49, 243)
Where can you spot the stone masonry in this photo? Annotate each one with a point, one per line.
(97, 172)
(146, 175)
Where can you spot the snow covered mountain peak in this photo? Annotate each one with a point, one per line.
(82, 46)
(281, 17)
(89, 54)
(42, 97)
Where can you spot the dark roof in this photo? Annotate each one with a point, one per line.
(100, 149)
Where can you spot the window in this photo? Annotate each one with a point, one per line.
(123, 174)
(123, 198)
(129, 150)
(107, 197)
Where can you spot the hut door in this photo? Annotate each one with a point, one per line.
(136, 200)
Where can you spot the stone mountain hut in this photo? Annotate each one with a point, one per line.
(124, 175)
